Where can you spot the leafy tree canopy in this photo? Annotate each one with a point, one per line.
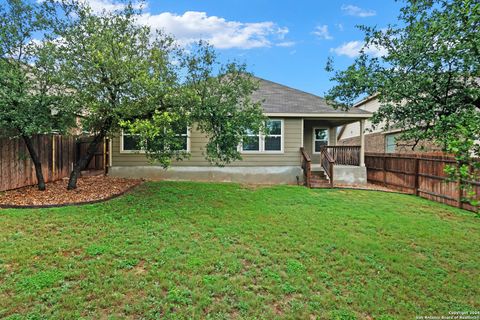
(29, 103)
(122, 75)
(427, 79)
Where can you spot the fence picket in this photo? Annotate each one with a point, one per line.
(419, 174)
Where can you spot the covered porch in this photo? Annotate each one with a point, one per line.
(323, 162)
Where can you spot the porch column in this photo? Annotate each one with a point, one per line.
(362, 143)
(333, 136)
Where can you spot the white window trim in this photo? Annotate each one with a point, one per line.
(262, 142)
(313, 138)
(188, 134)
(121, 144)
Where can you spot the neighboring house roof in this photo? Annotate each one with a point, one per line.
(280, 99)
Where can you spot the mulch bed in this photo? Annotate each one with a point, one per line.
(89, 190)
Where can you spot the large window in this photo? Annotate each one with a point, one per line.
(130, 143)
(271, 142)
(320, 139)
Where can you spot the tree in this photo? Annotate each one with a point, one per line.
(122, 75)
(427, 78)
(28, 102)
(215, 98)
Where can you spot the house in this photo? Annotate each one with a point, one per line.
(377, 139)
(300, 148)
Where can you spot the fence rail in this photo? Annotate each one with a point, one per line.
(420, 174)
(57, 154)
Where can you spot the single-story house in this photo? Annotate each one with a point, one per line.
(300, 148)
(377, 139)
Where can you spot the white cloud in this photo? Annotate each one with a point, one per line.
(352, 49)
(286, 44)
(355, 11)
(193, 26)
(339, 26)
(322, 32)
(99, 6)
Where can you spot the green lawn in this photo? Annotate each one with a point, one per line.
(178, 250)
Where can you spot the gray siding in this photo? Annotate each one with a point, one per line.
(290, 156)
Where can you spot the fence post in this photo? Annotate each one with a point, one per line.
(460, 194)
(53, 157)
(105, 141)
(384, 171)
(416, 176)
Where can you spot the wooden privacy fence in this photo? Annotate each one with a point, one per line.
(98, 160)
(420, 174)
(57, 154)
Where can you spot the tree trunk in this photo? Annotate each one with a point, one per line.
(36, 162)
(82, 163)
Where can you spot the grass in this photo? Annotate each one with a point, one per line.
(178, 250)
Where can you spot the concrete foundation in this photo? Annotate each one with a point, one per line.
(250, 175)
(349, 174)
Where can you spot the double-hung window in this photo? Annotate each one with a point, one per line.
(272, 141)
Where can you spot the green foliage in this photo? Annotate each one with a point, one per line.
(114, 68)
(123, 75)
(29, 99)
(167, 250)
(427, 79)
(212, 99)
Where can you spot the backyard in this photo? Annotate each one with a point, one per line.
(202, 250)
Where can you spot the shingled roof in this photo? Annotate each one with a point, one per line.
(277, 98)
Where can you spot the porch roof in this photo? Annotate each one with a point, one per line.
(280, 100)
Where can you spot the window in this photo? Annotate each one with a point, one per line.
(183, 136)
(251, 141)
(271, 142)
(320, 139)
(390, 143)
(130, 143)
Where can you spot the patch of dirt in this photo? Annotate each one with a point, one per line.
(89, 189)
(140, 268)
(367, 186)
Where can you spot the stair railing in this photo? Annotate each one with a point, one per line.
(307, 167)
(327, 163)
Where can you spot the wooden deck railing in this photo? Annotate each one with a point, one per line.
(307, 167)
(345, 155)
(327, 163)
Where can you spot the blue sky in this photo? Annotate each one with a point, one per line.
(283, 41)
(302, 34)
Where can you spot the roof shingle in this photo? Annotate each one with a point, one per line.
(277, 98)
